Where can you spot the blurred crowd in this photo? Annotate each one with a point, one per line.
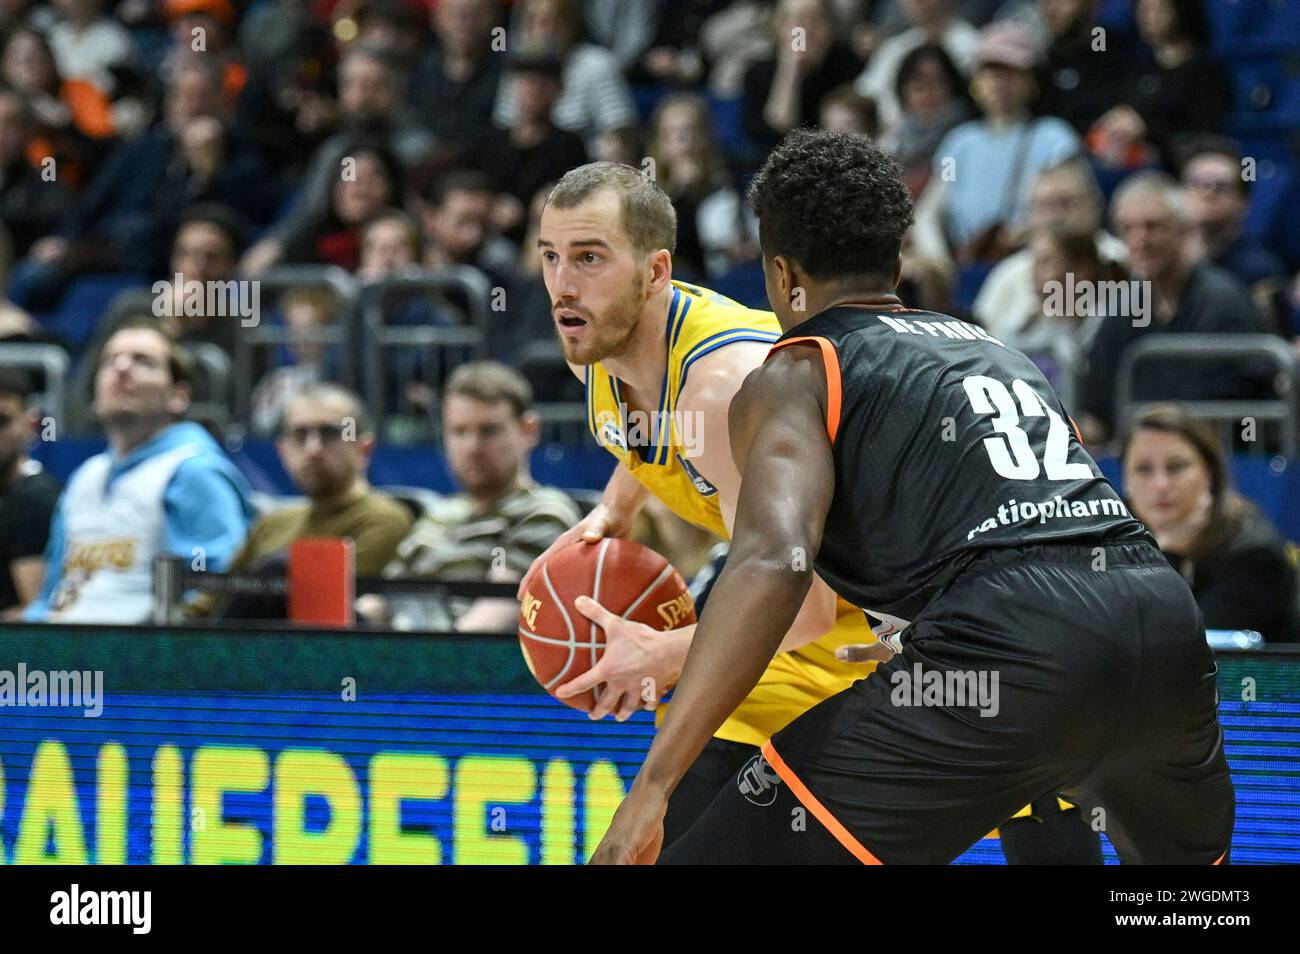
(332, 149)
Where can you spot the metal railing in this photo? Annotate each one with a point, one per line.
(1281, 409)
(252, 342)
(211, 385)
(444, 347)
(52, 362)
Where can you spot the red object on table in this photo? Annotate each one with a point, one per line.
(322, 581)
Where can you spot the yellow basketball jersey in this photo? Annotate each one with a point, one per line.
(656, 448)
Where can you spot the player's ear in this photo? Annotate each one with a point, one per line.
(531, 424)
(898, 269)
(785, 281)
(178, 401)
(661, 271)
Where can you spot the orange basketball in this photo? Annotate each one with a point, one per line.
(626, 578)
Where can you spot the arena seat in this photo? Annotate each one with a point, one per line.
(1116, 15)
(1266, 86)
(727, 126)
(646, 97)
(418, 500)
(743, 283)
(1234, 20)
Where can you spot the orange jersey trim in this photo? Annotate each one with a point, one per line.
(831, 361)
(810, 802)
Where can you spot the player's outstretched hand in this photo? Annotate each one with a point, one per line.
(639, 665)
(592, 528)
(636, 835)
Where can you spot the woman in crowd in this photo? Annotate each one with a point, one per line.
(1183, 92)
(983, 169)
(932, 96)
(690, 167)
(1175, 482)
(372, 183)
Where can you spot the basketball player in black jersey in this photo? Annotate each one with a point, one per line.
(930, 475)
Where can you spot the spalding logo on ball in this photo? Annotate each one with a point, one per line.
(628, 579)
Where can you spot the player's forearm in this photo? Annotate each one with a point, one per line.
(750, 611)
(624, 495)
(677, 643)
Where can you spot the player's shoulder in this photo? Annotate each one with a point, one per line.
(706, 329)
(790, 371)
(715, 377)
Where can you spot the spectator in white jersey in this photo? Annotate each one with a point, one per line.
(163, 487)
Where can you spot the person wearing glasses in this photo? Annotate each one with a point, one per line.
(1216, 182)
(163, 486)
(325, 443)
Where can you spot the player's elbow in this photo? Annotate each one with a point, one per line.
(778, 569)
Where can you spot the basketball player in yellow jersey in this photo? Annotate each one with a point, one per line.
(661, 361)
(653, 350)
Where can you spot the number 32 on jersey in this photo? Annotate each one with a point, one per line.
(1012, 454)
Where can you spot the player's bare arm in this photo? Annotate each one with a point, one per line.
(614, 516)
(784, 455)
(640, 664)
(710, 394)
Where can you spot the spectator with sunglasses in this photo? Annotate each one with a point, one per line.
(326, 440)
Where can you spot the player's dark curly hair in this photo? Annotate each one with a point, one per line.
(834, 203)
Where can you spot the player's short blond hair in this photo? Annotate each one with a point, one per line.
(649, 219)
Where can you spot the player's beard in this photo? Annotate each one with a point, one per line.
(610, 334)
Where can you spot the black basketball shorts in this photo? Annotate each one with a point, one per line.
(1041, 669)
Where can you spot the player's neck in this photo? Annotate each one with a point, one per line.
(640, 365)
(841, 298)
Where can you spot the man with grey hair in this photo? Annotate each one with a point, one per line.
(1175, 297)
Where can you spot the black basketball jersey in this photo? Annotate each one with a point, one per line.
(946, 442)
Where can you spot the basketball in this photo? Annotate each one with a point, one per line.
(628, 579)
